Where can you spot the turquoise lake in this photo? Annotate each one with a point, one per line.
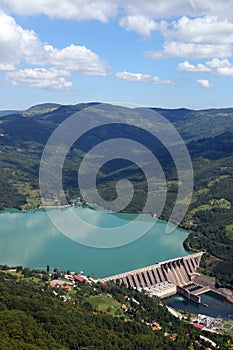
(30, 239)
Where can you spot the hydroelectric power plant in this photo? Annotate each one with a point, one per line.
(165, 278)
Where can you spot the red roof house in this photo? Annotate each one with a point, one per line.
(198, 326)
(80, 279)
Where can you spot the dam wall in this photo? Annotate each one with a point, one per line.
(179, 272)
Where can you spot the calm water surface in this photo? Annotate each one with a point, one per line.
(30, 239)
(217, 305)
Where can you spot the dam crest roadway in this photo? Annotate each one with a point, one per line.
(165, 278)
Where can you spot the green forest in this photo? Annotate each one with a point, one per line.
(35, 316)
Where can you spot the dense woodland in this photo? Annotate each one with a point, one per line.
(208, 135)
(33, 317)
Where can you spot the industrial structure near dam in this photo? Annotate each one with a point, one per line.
(165, 278)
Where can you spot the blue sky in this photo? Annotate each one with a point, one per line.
(150, 53)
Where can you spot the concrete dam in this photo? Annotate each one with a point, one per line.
(164, 278)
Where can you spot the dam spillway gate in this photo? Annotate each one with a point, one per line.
(178, 272)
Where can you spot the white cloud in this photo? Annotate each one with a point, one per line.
(216, 63)
(74, 58)
(204, 83)
(157, 8)
(16, 42)
(139, 77)
(216, 67)
(103, 10)
(20, 46)
(100, 10)
(191, 29)
(6, 67)
(205, 30)
(140, 24)
(221, 67)
(40, 78)
(223, 9)
(133, 76)
(225, 71)
(159, 81)
(168, 8)
(188, 67)
(190, 50)
(205, 37)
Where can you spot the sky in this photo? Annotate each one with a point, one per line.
(157, 53)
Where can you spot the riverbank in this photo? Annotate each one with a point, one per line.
(54, 206)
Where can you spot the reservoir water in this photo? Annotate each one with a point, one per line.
(217, 305)
(30, 239)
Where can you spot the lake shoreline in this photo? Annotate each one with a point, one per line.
(118, 215)
(36, 225)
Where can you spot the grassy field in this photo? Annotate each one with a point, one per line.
(107, 304)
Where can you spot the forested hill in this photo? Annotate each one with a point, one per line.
(208, 135)
(196, 124)
(93, 316)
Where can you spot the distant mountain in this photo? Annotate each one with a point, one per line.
(40, 109)
(7, 112)
(196, 124)
(208, 135)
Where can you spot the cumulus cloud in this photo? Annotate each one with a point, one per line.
(40, 78)
(16, 42)
(226, 71)
(6, 67)
(200, 37)
(159, 81)
(133, 76)
(204, 83)
(209, 17)
(216, 66)
(139, 77)
(140, 24)
(100, 10)
(167, 8)
(221, 67)
(208, 35)
(20, 46)
(222, 9)
(190, 50)
(188, 67)
(205, 30)
(103, 10)
(190, 29)
(157, 8)
(217, 63)
(74, 58)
